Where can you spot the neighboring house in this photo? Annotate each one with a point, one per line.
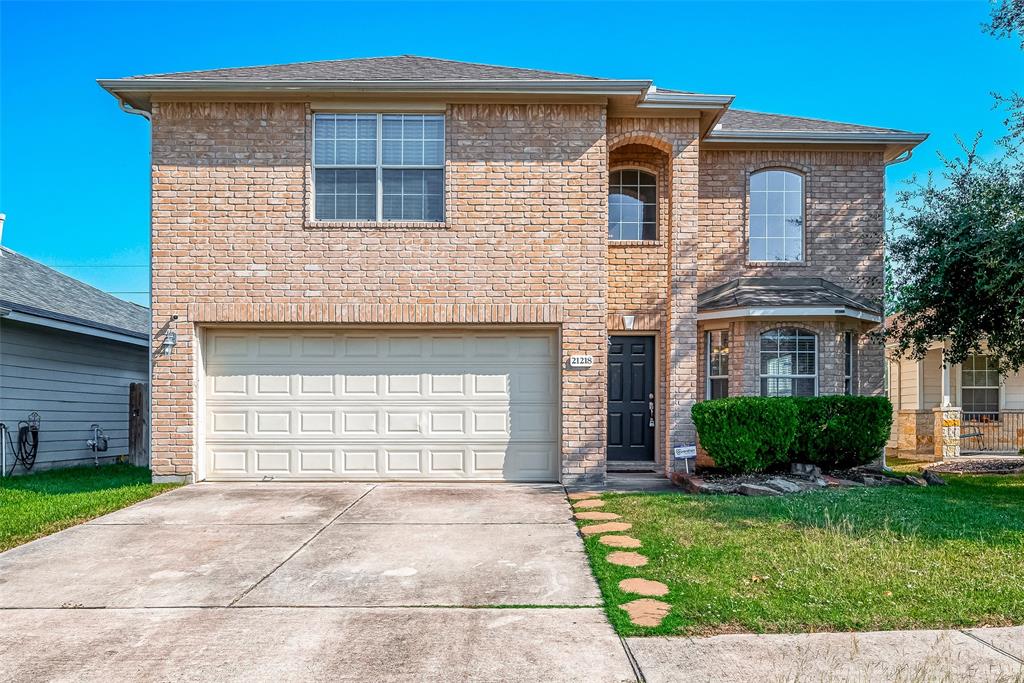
(68, 352)
(414, 268)
(988, 409)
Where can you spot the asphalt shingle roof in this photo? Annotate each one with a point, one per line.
(736, 120)
(751, 292)
(30, 287)
(400, 68)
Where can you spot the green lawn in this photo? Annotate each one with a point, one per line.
(856, 559)
(35, 505)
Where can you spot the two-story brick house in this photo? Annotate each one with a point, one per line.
(412, 268)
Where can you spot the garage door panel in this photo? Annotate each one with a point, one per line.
(381, 405)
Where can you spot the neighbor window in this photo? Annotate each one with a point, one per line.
(979, 388)
(789, 363)
(632, 205)
(776, 216)
(378, 167)
(717, 349)
(849, 345)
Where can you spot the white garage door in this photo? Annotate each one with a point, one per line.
(320, 404)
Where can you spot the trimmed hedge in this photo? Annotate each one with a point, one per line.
(752, 434)
(836, 432)
(746, 434)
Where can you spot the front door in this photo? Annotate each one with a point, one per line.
(631, 398)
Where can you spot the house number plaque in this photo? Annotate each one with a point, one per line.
(581, 361)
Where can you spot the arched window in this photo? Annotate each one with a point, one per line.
(776, 216)
(632, 205)
(789, 363)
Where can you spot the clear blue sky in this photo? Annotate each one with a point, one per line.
(74, 169)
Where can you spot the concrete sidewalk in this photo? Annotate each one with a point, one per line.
(989, 655)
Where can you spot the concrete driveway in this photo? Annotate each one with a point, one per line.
(309, 582)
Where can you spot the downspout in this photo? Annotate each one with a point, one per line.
(129, 109)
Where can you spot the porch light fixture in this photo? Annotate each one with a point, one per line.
(167, 345)
(628, 321)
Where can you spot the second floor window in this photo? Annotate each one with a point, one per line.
(632, 205)
(378, 167)
(776, 216)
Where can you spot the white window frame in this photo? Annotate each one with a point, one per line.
(817, 363)
(998, 388)
(707, 363)
(380, 166)
(657, 200)
(849, 363)
(803, 215)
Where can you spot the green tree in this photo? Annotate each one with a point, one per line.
(957, 246)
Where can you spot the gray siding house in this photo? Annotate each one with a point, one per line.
(68, 352)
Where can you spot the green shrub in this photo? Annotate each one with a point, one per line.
(746, 434)
(836, 432)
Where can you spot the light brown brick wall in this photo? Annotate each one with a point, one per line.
(844, 216)
(525, 241)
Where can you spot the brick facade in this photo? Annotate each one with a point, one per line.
(524, 242)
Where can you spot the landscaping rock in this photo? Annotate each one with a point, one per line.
(784, 485)
(755, 490)
(805, 470)
(643, 587)
(694, 484)
(838, 483)
(914, 481)
(933, 479)
(646, 612)
(605, 528)
(626, 558)
(595, 515)
(619, 541)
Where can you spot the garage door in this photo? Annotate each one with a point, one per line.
(381, 405)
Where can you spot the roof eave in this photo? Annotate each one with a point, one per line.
(896, 142)
(140, 90)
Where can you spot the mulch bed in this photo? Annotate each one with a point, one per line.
(981, 466)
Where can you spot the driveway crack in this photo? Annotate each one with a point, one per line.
(635, 665)
(303, 545)
(994, 647)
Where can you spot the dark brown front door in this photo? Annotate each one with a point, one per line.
(631, 398)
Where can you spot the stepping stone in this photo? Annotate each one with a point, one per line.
(626, 559)
(589, 503)
(596, 514)
(620, 541)
(605, 528)
(583, 495)
(646, 612)
(643, 587)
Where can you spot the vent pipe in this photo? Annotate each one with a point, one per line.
(3, 217)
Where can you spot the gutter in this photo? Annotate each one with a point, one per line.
(853, 137)
(788, 312)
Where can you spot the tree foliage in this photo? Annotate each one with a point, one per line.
(958, 247)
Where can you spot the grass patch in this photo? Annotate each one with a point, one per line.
(855, 559)
(35, 505)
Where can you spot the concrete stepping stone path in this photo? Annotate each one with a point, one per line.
(583, 495)
(646, 612)
(627, 559)
(615, 541)
(605, 528)
(589, 503)
(643, 587)
(596, 515)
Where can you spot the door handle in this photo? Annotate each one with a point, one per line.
(650, 409)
